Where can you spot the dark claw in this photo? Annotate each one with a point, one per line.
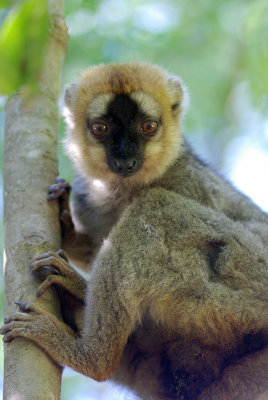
(54, 188)
(63, 184)
(63, 255)
(59, 180)
(52, 196)
(47, 269)
(56, 193)
(22, 306)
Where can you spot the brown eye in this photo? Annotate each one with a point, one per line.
(98, 128)
(149, 127)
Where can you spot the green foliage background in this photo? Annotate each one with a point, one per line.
(219, 48)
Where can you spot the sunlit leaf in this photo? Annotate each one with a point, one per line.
(257, 48)
(5, 3)
(22, 41)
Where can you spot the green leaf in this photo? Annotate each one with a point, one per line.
(5, 3)
(257, 48)
(22, 42)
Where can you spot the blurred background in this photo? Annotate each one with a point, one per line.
(219, 48)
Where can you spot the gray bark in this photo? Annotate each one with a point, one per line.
(31, 223)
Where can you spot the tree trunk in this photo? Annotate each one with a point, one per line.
(31, 223)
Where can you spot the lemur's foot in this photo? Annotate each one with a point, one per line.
(34, 323)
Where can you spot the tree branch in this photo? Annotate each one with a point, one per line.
(31, 223)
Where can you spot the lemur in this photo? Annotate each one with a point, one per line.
(175, 306)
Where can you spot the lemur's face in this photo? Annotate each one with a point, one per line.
(124, 125)
(123, 122)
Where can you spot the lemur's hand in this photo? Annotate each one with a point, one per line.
(60, 190)
(54, 269)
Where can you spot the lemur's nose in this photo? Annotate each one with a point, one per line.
(125, 165)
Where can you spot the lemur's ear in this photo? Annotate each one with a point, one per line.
(178, 93)
(70, 94)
